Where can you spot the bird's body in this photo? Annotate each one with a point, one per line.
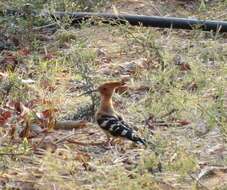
(109, 120)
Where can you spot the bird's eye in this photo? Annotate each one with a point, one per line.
(104, 88)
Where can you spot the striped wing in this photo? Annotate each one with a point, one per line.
(117, 127)
(114, 126)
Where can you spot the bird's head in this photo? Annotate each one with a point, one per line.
(108, 88)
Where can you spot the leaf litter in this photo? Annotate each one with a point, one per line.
(36, 119)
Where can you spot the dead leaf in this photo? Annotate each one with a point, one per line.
(4, 116)
(19, 107)
(9, 61)
(82, 157)
(47, 118)
(23, 110)
(23, 52)
(44, 115)
(185, 67)
(183, 122)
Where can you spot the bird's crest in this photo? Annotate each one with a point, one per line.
(108, 88)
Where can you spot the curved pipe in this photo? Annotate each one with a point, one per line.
(149, 21)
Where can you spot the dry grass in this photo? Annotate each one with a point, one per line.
(176, 100)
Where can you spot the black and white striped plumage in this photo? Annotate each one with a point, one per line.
(116, 126)
(108, 119)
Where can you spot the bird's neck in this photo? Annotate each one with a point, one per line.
(106, 105)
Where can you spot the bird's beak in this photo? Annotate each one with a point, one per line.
(88, 92)
(117, 84)
(121, 89)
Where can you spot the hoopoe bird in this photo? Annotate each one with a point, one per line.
(109, 120)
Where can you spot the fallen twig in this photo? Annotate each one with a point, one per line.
(85, 144)
(64, 138)
(45, 26)
(70, 124)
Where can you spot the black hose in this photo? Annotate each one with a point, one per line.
(149, 21)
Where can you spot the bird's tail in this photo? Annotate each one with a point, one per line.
(137, 140)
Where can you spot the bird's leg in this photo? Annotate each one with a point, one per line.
(107, 143)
